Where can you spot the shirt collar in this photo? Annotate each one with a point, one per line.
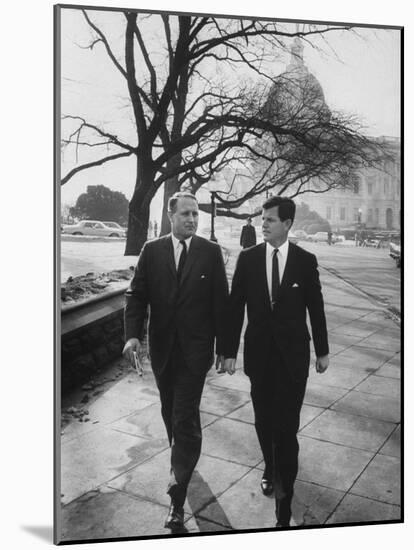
(176, 242)
(283, 249)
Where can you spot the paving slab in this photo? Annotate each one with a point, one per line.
(355, 509)
(363, 357)
(380, 407)
(244, 413)
(232, 440)
(383, 340)
(350, 430)
(198, 524)
(380, 385)
(148, 423)
(339, 377)
(392, 446)
(97, 457)
(396, 359)
(244, 504)
(380, 480)
(222, 401)
(390, 370)
(381, 319)
(322, 395)
(313, 504)
(359, 328)
(330, 465)
(124, 398)
(112, 514)
(149, 480)
(342, 341)
(238, 381)
(307, 414)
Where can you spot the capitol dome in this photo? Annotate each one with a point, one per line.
(296, 93)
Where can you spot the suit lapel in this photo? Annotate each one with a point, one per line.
(289, 269)
(169, 254)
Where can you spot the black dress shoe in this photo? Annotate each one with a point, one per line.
(279, 524)
(175, 518)
(266, 486)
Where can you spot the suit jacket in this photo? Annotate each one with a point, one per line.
(248, 236)
(193, 312)
(285, 326)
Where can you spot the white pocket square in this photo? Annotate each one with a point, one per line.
(203, 277)
(295, 285)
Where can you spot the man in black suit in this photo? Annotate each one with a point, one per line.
(279, 283)
(181, 277)
(248, 235)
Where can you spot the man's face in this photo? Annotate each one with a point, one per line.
(274, 230)
(184, 221)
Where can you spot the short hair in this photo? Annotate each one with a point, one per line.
(286, 210)
(172, 201)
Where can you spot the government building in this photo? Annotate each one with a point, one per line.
(373, 199)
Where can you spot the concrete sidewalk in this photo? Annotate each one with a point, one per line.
(115, 465)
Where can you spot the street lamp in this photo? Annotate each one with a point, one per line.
(359, 216)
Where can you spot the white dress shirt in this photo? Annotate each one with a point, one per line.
(179, 247)
(281, 259)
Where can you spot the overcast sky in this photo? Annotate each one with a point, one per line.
(359, 75)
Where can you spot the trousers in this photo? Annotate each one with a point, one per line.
(180, 394)
(277, 399)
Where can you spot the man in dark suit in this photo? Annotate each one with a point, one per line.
(279, 283)
(248, 235)
(181, 277)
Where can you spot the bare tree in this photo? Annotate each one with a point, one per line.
(193, 115)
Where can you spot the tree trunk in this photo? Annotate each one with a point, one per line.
(139, 209)
(170, 187)
(137, 230)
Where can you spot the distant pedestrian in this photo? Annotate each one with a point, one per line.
(150, 229)
(155, 229)
(248, 235)
(329, 238)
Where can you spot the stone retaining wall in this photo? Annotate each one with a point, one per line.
(92, 335)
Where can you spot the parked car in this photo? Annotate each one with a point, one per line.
(395, 249)
(94, 228)
(301, 234)
(322, 237)
(292, 236)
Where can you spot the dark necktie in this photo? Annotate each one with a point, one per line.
(275, 277)
(181, 261)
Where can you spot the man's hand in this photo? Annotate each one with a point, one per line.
(132, 345)
(230, 365)
(220, 364)
(322, 363)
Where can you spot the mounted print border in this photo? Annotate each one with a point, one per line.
(233, 110)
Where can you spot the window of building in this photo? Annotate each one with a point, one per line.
(386, 188)
(355, 214)
(370, 180)
(328, 212)
(342, 214)
(370, 215)
(376, 220)
(355, 183)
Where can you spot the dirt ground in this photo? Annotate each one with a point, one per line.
(85, 286)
